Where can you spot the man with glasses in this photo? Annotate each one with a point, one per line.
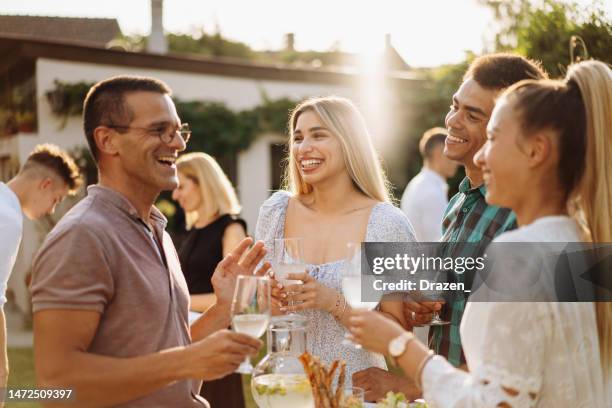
(110, 301)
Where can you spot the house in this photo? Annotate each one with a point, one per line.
(32, 63)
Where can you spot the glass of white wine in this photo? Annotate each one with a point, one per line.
(251, 309)
(288, 258)
(352, 282)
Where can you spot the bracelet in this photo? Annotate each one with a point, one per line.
(339, 299)
(419, 371)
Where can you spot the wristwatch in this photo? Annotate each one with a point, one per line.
(397, 346)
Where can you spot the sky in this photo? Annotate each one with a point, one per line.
(424, 32)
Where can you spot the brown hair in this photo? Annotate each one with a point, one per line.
(558, 106)
(430, 139)
(54, 159)
(499, 71)
(105, 103)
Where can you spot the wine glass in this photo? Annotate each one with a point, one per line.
(251, 309)
(352, 282)
(288, 258)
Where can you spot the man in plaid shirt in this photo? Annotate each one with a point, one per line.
(469, 223)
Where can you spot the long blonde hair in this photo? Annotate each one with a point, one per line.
(594, 78)
(216, 190)
(578, 109)
(345, 122)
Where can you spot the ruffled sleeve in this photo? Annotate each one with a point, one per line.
(271, 220)
(513, 339)
(389, 224)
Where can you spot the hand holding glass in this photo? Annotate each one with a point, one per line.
(251, 308)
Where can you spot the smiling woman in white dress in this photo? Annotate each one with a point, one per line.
(336, 193)
(549, 145)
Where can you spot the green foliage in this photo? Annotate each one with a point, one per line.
(217, 129)
(211, 45)
(543, 31)
(66, 99)
(221, 132)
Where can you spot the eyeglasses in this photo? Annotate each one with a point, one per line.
(165, 133)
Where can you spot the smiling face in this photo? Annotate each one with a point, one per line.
(316, 150)
(505, 165)
(466, 121)
(143, 156)
(187, 194)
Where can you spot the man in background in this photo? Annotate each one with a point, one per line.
(47, 177)
(426, 196)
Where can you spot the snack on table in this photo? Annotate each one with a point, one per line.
(398, 400)
(321, 381)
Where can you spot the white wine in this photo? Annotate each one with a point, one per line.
(282, 391)
(351, 288)
(282, 271)
(252, 324)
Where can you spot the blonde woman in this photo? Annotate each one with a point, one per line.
(211, 214)
(214, 229)
(549, 143)
(335, 193)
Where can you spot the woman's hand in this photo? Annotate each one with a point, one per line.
(373, 330)
(311, 294)
(277, 295)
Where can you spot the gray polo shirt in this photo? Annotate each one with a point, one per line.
(101, 257)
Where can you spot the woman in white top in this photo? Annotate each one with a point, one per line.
(336, 193)
(549, 145)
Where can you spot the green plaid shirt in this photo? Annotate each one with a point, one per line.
(468, 219)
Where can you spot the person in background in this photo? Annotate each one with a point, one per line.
(211, 213)
(47, 177)
(426, 196)
(547, 158)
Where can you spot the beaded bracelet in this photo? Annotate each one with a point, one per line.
(419, 371)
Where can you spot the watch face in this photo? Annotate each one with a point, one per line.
(396, 347)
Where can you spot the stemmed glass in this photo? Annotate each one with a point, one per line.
(288, 258)
(352, 281)
(251, 310)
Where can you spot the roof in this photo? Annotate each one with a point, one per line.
(90, 31)
(17, 49)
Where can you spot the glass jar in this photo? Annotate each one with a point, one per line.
(279, 380)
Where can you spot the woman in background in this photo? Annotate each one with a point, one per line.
(214, 229)
(335, 192)
(547, 158)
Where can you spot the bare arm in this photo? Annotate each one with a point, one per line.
(62, 338)
(201, 302)
(233, 234)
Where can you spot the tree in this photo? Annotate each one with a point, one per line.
(545, 30)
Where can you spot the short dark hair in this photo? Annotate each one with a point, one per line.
(105, 103)
(430, 139)
(499, 71)
(52, 158)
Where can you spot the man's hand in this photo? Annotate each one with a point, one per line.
(377, 383)
(419, 313)
(220, 354)
(236, 263)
